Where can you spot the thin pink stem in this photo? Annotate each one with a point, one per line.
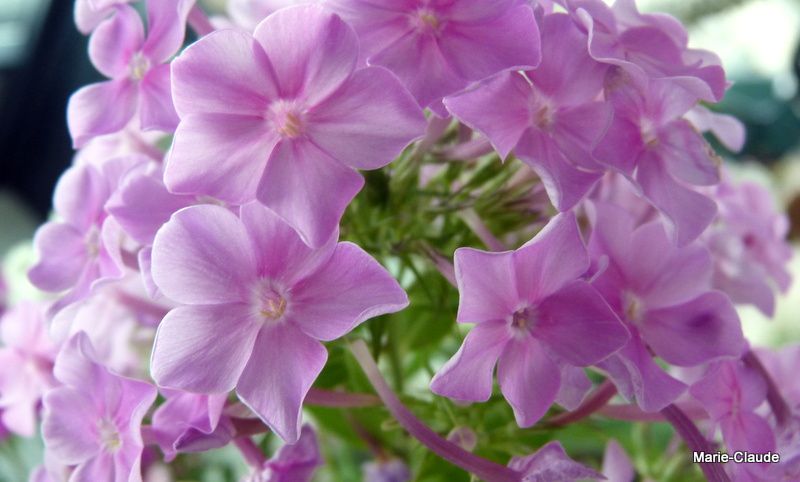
(695, 441)
(632, 413)
(330, 398)
(596, 401)
(199, 21)
(449, 451)
(467, 150)
(776, 401)
(250, 452)
(476, 224)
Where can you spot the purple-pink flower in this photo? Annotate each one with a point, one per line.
(93, 421)
(257, 302)
(26, 366)
(185, 415)
(663, 293)
(536, 319)
(438, 48)
(295, 462)
(286, 118)
(135, 63)
(550, 116)
(552, 464)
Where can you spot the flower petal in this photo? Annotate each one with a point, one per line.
(349, 289)
(166, 27)
(225, 72)
(312, 51)
(155, 104)
(368, 121)
(62, 255)
(468, 375)
(115, 41)
(529, 380)
(203, 349)
(68, 425)
(572, 316)
(308, 189)
(707, 326)
(202, 256)
(102, 108)
(486, 285)
(498, 108)
(284, 365)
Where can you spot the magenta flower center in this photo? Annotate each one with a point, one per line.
(139, 66)
(523, 321)
(109, 435)
(287, 119)
(270, 301)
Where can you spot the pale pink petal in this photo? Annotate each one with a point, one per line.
(312, 51)
(69, 417)
(575, 313)
(747, 431)
(421, 66)
(486, 285)
(99, 109)
(688, 212)
(219, 155)
(469, 374)
(555, 257)
(62, 255)
(707, 326)
(621, 146)
(202, 256)
(565, 183)
(204, 349)
(575, 385)
(308, 189)
(529, 380)
(280, 254)
(578, 129)
(166, 27)
(368, 121)
(155, 102)
(617, 465)
(346, 291)
(498, 108)
(688, 156)
(80, 195)
(476, 50)
(99, 468)
(115, 41)
(284, 365)
(224, 72)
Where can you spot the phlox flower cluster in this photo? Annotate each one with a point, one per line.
(258, 207)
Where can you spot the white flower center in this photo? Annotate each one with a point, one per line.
(634, 307)
(426, 21)
(270, 301)
(287, 119)
(109, 435)
(523, 321)
(139, 66)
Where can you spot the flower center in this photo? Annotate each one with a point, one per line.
(92, 242)
(649, 134)
(523, 321)
(426, 21)
(139, 66)
(287, 119)
(634, 307)
(109, 435)
(270, 301)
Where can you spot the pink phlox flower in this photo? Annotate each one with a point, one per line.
(286, 119)
(534, 318)
(26, 366)
(654, 44)
(552, 464)
(617, 466)
(550, 116)
(664, 295)
(183, 413)
(749, 245)
(393, 470)
(253, 295)
(438, 48)
(135, 63)
(650, 142)
(93, 421)
(731, 392)
(295, 462)
(83, 247)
